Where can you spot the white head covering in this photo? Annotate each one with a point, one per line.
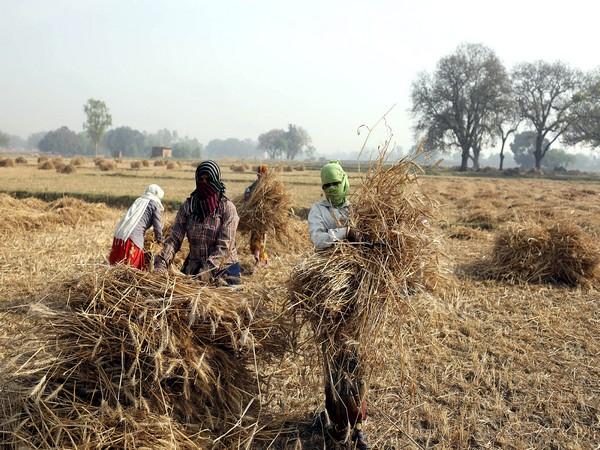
(135, 212)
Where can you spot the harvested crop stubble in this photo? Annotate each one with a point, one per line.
(268, 210)
(30, 214)
(350, 288)
(532, 253)
(123, 358)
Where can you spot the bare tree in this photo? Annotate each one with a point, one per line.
(546, 94)
(585, 126)
(454, 105)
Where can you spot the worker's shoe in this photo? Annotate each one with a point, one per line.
(359, 440)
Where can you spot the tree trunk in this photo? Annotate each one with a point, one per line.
(502, 154)
(539, 141)
(476, 152)
(464, 160)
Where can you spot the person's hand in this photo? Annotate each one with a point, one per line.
(354, 235)
(205, 274)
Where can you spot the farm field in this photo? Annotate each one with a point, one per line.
(486, 364)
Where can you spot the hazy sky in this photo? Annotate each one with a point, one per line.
(217, 69)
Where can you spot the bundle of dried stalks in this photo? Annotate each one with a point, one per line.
(46, 165)
(41, 159)
(66, 168)
(78, 161)
(124, 358)
(146, 163)
(160, 162)
(7, 162)
(21, 160)
(353, 286)
(237, 168)
(106, 165)
(268, 210)
(529, 252)
(171, 165)
(30, 214)
(136, 165)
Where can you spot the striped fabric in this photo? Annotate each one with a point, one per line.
(205, 198)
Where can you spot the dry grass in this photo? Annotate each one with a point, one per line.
(66, 169)
(268, 209)
(494, 365)
(160, 162)
(42, 159)
(7, 162)
(146, 163)
(46, 165)
(106, 165)
(532, 253)
(136, 165)
(347, 291)
(21, 160)
(171, 165)
(78, 161)
(149, 347)
(30, 214)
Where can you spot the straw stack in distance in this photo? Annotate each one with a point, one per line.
(268, 209)
(559, 252)
(121, 358)
(350, 287)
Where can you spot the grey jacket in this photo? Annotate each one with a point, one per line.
(327, 224)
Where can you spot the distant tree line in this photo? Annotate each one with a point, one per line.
(471, 101)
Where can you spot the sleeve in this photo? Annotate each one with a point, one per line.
(157, 223)
(320, 235)
(226, 236)
(173, 242)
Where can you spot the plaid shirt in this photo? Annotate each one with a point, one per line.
(212, 240)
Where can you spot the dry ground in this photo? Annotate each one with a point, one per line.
(489, 365)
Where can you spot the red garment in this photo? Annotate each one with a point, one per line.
(126, 252)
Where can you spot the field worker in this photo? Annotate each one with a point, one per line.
(344, 387)
(209, 220)
(128, 242)
(258, 241)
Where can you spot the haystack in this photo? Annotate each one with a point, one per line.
(534, 253)
(268, 210)
(66, 168)
(136, 165)
(347, 290)
(171, 165)
(30, 213)
(237, 168)
(21, 160)
(121, 358)
(106, 165)
(159, 162)
(146, 163)
(78, 161)
(46, 165)
(7, 162)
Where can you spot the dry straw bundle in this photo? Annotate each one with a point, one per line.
(237, 168)
(268, 209)
(21, 160)
(529, 252)
(46, 165)
(106, 165)
(136, 165)
(171, 165)
(7, 162)
(350, 287)
(78, 161)
(146, 163)
(160, 162)
(66, 168)
(30, 213)
(123, 358)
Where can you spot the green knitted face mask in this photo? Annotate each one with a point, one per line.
(335, 183)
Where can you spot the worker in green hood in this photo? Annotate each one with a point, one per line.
(335, 183)
(345, 389)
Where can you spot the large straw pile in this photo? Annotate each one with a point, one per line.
(31, 213)
(350, 287)
(123, 358)
(268, 209)
(530, 252)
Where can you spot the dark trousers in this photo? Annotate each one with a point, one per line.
(345, 389)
